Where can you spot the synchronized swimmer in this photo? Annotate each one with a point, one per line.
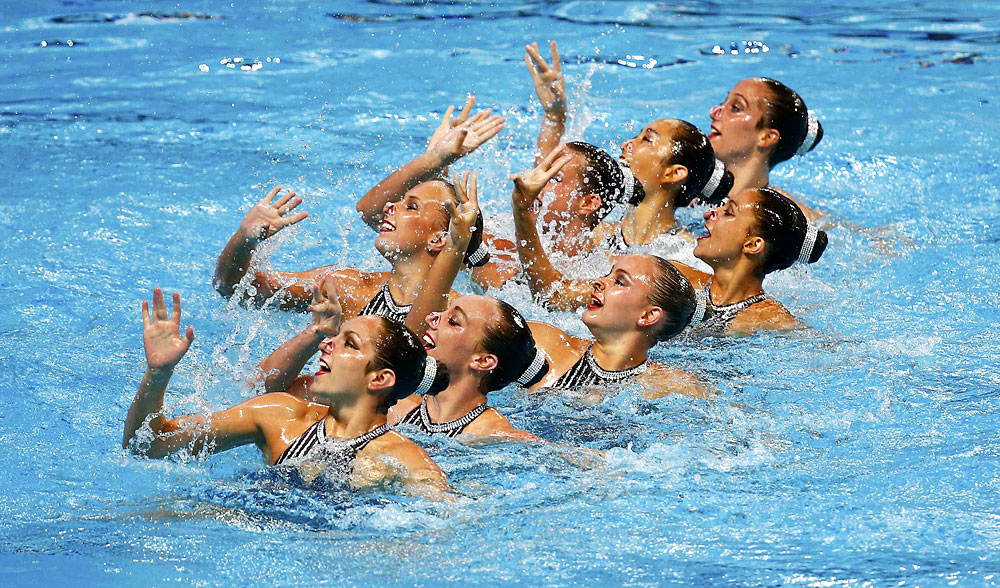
(401, 349)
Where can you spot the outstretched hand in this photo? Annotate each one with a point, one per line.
(268, 216)
(325, 307)
(550, 85)
(457, 137)
(528, 185)
(161, 333)
(464, 214)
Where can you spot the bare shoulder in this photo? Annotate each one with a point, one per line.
(563, 350)
(403, 407)
(697, 278)
(418, 463)
(766, 315)
(355, 287)
(660, 380)
(494, 425)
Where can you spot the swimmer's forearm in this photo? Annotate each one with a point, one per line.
(148, 400)
(287, 361)
(426, 166)
(433, 295)
(233, 262)
(550, 134)
(540, 271)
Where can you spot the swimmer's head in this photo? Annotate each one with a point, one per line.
(780, 222)
(483, 337)
(641, 293)
(761, 114)
(371, 355)
(603, 177)
(397, 349)
(761, 225)
(419, 222)
(674, 154)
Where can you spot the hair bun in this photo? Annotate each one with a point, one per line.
(478, 254)
(536, 369)
(718, 186)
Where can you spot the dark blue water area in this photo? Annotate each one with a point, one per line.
(861, 452)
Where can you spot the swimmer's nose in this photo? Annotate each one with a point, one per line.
(433, 319)
(326, 344)
(627, 146)
(710, 213)
(389, 208)
(598, 285)
(715, 112)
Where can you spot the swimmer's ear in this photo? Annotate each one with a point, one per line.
(652, 316)
(754, 245)
(673, 174)
(483, 362)
(381, 379)
(768, 138)
(436, 243)
(589, 203)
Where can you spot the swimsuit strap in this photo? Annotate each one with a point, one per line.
(359, 443)
(450, 428)
(383, 304)
(728, 311)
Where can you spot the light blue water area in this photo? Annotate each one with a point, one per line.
(864, 452)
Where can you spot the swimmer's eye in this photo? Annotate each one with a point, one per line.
(619, 282)
(351, 344)
(411, 206)
(452, 322)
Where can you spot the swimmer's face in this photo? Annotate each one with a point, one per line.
(650, 151)
(561, 196)
(620, 298)
(344, 360)
(728, 226)
(736, 131)
(413, 223)
(454, 336)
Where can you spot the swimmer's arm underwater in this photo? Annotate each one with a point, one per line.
(546, 282)
(551, 89)
(453, 139)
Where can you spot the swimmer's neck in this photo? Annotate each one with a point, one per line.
(749, 173)
(735, 282)
(407, 277)
(620, 351)
(651, 218)
(353, 416)
(463, 394)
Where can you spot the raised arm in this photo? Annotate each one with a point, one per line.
(433, 295)
(546, 282)
(283, 366)
(264, 220)
(164, 349)
(551, 89)
(452, 140)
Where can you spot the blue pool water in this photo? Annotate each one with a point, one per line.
(863, 453)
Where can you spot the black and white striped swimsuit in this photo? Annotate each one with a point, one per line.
(709, 318)
(585, 373)
(383, 305)
(338, 451)
(420, 418)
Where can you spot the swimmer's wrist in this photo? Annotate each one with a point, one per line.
(159, 372)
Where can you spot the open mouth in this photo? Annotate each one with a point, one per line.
(595, 302)
(428, 342)
(624, 160)
(323, 368)
(386, 227)
(714, 132)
